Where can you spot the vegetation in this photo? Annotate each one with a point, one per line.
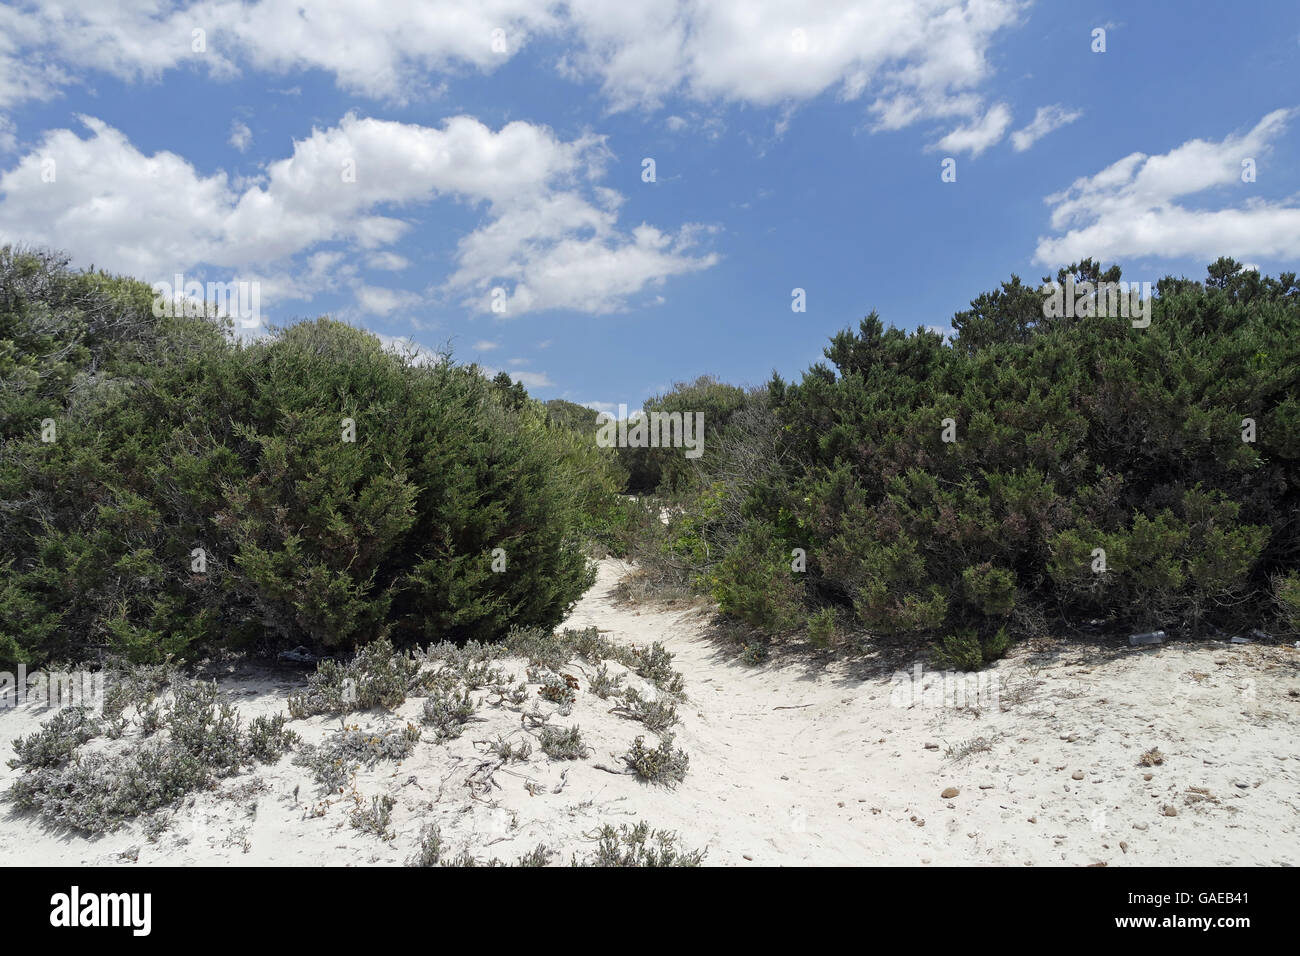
(168, 489)
(1030, 469)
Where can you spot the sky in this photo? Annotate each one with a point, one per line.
(605, 197)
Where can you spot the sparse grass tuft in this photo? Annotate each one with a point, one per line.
(56, 741)
(447, 711)
(603, 684)
(563, 743)
(376, 818)
(654, 664)
(378, 676)
(639, 846)
(657, 715)
(663, 765)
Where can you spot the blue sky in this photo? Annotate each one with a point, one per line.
(513, 161)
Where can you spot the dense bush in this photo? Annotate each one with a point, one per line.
(1098, 470)
(338, 493)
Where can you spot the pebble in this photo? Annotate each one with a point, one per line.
(1077, 775)
(1170, 811)
(949, 793)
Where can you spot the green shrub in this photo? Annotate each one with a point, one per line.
(1286, 594)
(308, 489)
(1094, 469)
(822, 627)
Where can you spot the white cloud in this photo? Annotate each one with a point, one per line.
(978, 136)
(532, 379)
(241, 137)
(1131, 208)
(375, 300)
(388, 261)
(1046, 119)
(483, 345)
(529, 379)
(543, 240)
(388, 57)
(915, 58)
(413, 351)
(8, 137)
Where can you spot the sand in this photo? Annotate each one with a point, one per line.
(795, 762)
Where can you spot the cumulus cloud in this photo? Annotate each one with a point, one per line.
(241, 137)
(44, 45)
(1134, 206)
(529, 379)
(1046, 119)
(915, 58)
(978, 136)
(412, 351)
(551, 237)
(388, 261)
(376, 300)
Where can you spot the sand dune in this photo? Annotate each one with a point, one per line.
(794, 762)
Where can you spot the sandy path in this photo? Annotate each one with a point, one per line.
(790, 765)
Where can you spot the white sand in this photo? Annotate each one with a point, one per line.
(792, 763)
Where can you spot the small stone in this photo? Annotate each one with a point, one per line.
(1169, 811)
(749, 858)
(1146, 776)
(932, 746)
(1243, 786)
(1077, 775)
(1033, 819)
(949, 793)
(1123, 846)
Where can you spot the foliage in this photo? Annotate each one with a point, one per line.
(308, 489)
